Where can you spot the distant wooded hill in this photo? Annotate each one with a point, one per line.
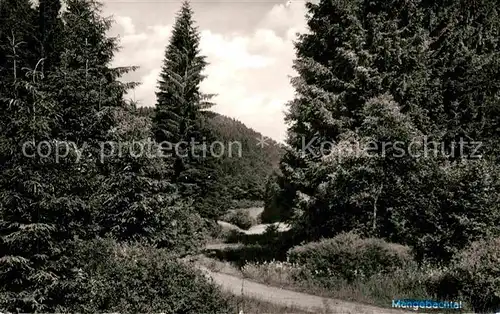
(245, 176)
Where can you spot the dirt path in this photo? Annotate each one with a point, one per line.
(291, 298)
(278, 296)
(221, 246)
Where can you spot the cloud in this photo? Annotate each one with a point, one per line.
(126, 24)
(248, 72)
(285, 16)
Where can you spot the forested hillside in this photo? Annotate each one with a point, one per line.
(243, 175)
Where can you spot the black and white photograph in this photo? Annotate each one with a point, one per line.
(249, 157)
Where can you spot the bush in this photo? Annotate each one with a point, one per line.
(249, 304)
(349, 257)
(246, 203)
(247, 253)
(135, 279)
(240, 218)
(275, 273)
(271, 236)
(475, 275)
(277, 199)
(380, 289)
(460, 207)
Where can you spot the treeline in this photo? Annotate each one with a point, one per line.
(244, 165)
(377, 74)
(393, 137)
(397, 103)
(89, 220)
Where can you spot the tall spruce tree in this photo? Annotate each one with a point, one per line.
(345, 61)
(29, 209)
(460, 103)
(86, 91)
(377, 73)
(177, 118)
(87, 86)
(121, 187)
(46, 203)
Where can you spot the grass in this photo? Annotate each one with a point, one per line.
(217, 266)
(378, 290)
(251, 260)
(241, 255)
(250, 305)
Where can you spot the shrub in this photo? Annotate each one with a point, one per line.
(348, 256)
(380, 289)
(215, 231)
(278, 197)
(244, 203)
(234, 236)
(475, 274)
(273, 273)
(460, 207)
(248, 253)
(135, 279)
(271, 236)
(240, 218)
(272, 204)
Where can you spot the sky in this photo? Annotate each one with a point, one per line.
(248, 45)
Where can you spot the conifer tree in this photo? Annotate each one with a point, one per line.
(46, 203)
(30, 211)
(177, 119)
(462, 100)
(123, 185)
(138, 201)
(87, 86)
(345, 61)
(378, 73)
(86, 91)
